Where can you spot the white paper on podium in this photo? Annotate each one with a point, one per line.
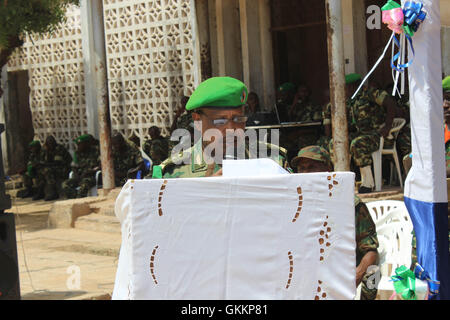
(277, 237)
(252, 168)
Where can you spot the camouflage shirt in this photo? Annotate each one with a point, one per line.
(60, 158)
(126, 160)
(366, 234)
(157, 149)
(86, 162)
(198, 167)
(305, 111)
(367, 111)
(185, 122)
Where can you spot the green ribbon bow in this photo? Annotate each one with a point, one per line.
(405, 283)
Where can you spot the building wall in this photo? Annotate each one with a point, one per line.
(150, 59)
(55, 69)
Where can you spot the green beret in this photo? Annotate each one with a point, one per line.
(313, 152)
(288, 86)
(352, 78)
(34, 143)
(84, 137)
(446, 84)
(218, 92)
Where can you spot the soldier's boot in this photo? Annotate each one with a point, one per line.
(51, 193)
(25, 193)
(367, 183)
(40, 194)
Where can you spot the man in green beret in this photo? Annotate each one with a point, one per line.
(157, 147)
(316, 159)
(285, 95)
(55, 164)
(86, 163)
(31, 176)
(127, 159)
(217, 107)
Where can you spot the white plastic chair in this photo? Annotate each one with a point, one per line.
(93, 192)
(394, 231)
(397, 125)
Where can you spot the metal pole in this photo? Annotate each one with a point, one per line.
(337, 85)
(92, 13)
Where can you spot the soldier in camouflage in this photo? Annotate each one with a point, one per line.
(86, 163)
(302, 108)
(157, 148)
(55, 166)
(285, 95)
(218, 103)
(317, 159)
(127, 159)
(31, 176)
(182, 118)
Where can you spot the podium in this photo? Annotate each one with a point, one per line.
(280, 237)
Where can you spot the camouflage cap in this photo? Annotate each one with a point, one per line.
(313, 152)
(225, 92)
(446, 84)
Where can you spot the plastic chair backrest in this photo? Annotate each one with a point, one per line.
(386, 210)
(394, 231)
(397, 125)
(394, 246)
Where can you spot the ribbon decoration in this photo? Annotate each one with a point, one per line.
(433, 286)
(405, 283)
(414, 16)
(405, 22)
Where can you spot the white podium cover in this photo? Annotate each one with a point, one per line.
(277, 237)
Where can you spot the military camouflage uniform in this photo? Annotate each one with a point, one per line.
(157, 149)
(305, 111)
(84, 173)
(124, 161)
(198, 167)
(32, 177)
(366, 115)
(185, 122)
(366, 240)
(447, 154)
(55, 166)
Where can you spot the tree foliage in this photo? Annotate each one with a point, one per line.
(19, 17)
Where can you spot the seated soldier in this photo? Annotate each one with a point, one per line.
(218, 103)
(86, 163)
(182, 119)
(302, 108)
(31, 176)
(127, 159)
(56, 162)
(370, 115)
(285, 95)
(157, 148)
(135, 139)
(316, 159)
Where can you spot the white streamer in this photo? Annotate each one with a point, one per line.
(375, 66)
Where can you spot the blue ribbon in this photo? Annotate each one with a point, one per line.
(402, 67)
(414, 15)
(421, 274)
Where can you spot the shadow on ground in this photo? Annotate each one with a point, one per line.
(52, 295)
